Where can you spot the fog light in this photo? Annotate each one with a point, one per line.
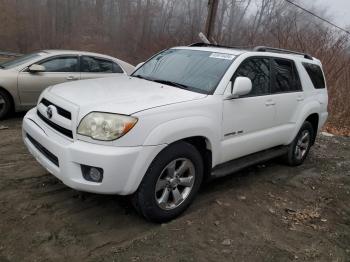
(92, 174)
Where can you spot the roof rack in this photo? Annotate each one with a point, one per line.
(256, 49)
(279, 50)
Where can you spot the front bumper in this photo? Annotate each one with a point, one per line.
(124, 167)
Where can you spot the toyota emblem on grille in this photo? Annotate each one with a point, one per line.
(49, 112)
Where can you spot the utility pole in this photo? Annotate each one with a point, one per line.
(209, 25)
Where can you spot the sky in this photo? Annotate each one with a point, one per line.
(337, 11)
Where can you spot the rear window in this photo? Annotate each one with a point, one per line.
(286, 78)
(315, 74)
(98, 65)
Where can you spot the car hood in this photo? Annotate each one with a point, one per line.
(122, 94)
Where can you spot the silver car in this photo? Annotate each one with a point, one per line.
(23, 79)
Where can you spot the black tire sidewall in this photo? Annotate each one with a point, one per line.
(8, 104)
(292, 160)
(145, 196)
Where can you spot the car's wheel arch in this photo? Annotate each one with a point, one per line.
(194, 131)
(311, 114)
(191, 130)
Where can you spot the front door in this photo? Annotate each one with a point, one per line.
(249, 120)
(57, 70)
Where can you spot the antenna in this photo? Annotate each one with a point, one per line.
(203, 38)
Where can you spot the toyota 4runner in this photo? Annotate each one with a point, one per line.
(186, 115)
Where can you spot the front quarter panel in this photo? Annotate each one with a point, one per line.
(182, 128)
(169, 124)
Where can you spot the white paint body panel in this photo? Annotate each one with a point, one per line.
(167, 114)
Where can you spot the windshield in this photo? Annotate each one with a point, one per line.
(19, 61)
(199, 71)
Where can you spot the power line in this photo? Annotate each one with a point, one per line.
(319, 17)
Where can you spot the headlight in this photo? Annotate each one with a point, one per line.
(105, 126)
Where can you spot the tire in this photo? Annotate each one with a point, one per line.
(300, 147)
(165, 203)
(5, 104)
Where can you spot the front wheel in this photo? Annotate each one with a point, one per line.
(301, 145)
(170, 184)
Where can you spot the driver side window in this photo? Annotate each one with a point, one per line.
(61, 64)
(258, 70)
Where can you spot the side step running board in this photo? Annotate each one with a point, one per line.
(246, 161)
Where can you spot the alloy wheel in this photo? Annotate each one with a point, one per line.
(175, 183)
(302, 145)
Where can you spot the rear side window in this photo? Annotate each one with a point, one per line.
(285, 77)
(315, 74)
(117, 69)
(97, 65)
(258, 70)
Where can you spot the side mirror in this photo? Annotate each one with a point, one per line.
(36, 68)
(242, 86)
(139, 65)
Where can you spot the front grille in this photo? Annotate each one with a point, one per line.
(60, 110)
(44, 151)
(58, 128)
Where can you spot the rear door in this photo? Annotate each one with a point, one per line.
(96, 67)
(59, 69)
(286, 91)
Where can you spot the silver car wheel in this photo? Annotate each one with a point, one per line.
(175, 183)
(302, 145)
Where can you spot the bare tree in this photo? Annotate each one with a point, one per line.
(135, 29)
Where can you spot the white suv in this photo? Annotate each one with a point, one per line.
(186, 115)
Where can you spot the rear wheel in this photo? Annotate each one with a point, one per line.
(170, 184)
(301, 145)
(5, 104)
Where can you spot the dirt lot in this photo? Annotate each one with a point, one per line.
(266, 213)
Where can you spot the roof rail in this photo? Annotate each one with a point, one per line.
(279, 50)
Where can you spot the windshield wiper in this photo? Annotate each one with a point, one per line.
(171, 83)
(142, 77)
(165, 82)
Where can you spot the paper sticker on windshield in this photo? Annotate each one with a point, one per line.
(222, 56)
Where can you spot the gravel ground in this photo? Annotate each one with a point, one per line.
(268, 212)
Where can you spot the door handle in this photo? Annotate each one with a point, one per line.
(300, 98)
(72, 78)
(270, 103)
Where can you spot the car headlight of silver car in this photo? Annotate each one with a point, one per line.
(105, 126)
